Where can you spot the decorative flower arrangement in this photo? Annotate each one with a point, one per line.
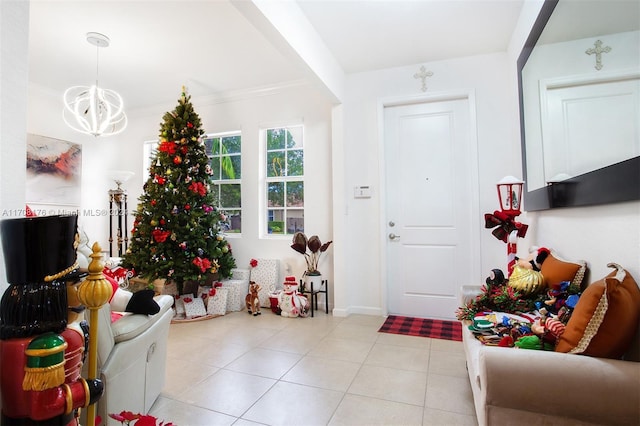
(126, 417)
(315, 247)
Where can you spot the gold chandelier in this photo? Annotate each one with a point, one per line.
(93, 110)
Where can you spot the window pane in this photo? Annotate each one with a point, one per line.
(208, 146)
(215, 168)
(215, 190)
(275, 164)
(294, 137)
(275, 222)
(227, 169)
(276, 139)
(295, 221)
(234, 221)
(229, 196)
(295, 194)
(231, 145)
(231, 166)
(216, 146)
(295, 162)
(275, 194)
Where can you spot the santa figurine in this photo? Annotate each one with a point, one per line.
(291, 302)
(43, 336)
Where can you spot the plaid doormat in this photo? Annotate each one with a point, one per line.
(435, 329)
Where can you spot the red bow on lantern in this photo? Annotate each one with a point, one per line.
(504, 224)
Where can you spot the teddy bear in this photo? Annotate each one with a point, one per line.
(291, 302)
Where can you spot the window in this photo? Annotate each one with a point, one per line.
(284, 180)
(224, 152)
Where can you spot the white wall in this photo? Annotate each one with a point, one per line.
(14, 30)
(498, 155)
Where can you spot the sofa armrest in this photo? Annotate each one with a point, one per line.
(595, 390)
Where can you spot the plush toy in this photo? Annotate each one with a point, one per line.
(291, 302)
(252, 299)
(526, 277)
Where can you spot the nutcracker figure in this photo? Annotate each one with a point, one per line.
(43, 337)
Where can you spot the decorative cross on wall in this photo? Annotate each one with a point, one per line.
(598, 51)
(422, 75)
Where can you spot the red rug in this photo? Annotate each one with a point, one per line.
(423, 327)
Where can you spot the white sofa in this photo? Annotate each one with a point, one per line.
(529, 387)
(132, 354)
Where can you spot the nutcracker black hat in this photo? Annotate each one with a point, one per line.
(38, 247)
(40, 256)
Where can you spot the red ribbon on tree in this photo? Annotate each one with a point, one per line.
(198, 188)
(504, 224)
(168, 147)
(201, 263)
(159, 235)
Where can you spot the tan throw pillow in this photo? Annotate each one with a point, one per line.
(556, 270)
(605, 319)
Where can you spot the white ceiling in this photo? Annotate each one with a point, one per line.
(211, 47)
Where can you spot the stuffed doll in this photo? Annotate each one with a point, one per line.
(291, 302)
(526, 277)
(252, 300)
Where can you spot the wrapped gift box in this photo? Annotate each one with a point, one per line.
(217, 304)
(193, 306)
(240, 274)
(238, 289)
(215, 299)
(266, 275)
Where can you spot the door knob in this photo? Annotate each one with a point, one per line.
(393, 236)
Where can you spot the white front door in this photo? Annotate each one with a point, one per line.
(430, 184)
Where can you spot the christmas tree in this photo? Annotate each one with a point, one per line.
(176, 231)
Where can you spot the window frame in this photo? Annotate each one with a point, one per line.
(220, 182)
(265, 209)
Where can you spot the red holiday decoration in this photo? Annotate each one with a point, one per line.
(159, 179)
(177, 159)
(201, 263)
(198, 188)
(168, 147)
(253, 263)
(159, 235)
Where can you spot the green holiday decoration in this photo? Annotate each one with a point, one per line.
(176, 232)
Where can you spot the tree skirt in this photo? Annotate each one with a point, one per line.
(423, 327)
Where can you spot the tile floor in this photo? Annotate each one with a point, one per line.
(243, 370)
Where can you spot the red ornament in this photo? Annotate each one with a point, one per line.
(153, 202)
(187, 207)
(159, 179)
(253, 263)
(184, 149)
(177, 159)
(189, 125)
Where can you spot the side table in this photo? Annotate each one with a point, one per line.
(313, 295)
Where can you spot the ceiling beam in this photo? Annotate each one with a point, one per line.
(285, 26)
